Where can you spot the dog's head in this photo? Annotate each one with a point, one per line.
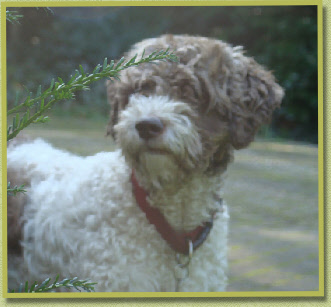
(193, 112)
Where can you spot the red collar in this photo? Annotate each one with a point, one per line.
(179, 241)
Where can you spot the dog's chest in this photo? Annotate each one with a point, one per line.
(137, 250)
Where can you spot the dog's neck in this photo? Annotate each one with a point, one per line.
(187, 202)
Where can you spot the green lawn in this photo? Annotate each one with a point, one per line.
(272, 193)
(83, 136)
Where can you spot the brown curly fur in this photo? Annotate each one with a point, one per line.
(232, 94)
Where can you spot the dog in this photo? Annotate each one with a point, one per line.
(149, 216)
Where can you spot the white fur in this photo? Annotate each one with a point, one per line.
(82, 219)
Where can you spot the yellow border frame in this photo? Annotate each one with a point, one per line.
(82, 3)
(319, 293)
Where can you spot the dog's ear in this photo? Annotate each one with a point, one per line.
(254, 95)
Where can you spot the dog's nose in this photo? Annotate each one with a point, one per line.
(149, 128)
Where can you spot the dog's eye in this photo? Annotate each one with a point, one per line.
(146, 87)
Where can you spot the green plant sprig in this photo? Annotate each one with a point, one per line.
(59, 90)
(13, 17)
(46, 287)
(12, 191)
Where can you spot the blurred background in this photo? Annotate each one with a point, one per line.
(272, 187)
(284, 39)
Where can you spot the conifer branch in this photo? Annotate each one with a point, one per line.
(46, 287)
(13, 17)
(12, 191)
(34, 108)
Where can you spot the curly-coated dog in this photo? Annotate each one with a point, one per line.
(150, 216)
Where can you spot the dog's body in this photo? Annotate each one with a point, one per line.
(177, 125)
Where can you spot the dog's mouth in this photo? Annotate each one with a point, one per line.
(157, 153)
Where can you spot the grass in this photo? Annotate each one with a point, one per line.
(272, 193)
(82, 135)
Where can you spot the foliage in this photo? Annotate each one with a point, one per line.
(46, 287)
(34, 108)
(13, 16)
(12, 191)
